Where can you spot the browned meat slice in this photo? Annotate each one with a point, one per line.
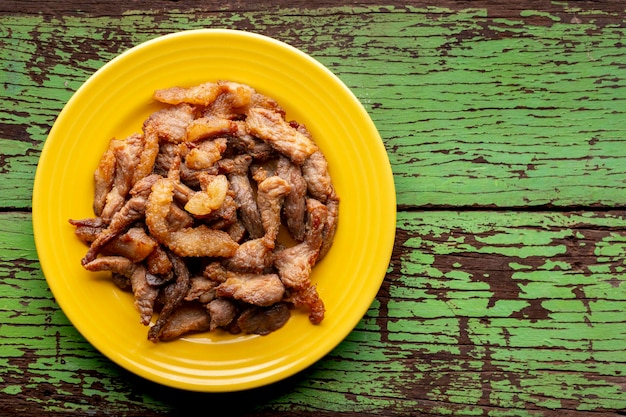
(202, 289)
(177, 218)
(309, 298)
(171, 123)
(206, 153)
(203, 94)
(262, 170)
(121, 281)
(87, 230)
(222, 311)
(315, 172)
(211, 197)
(216, 272)
(132, 211)
(145, 294)
(233, 101)
(116, 264)
(244, 195)
(260, 290)
(174, 295)
(252, 256)
(135, 245)
(226, 215)
(158, 263)
(186, 242)
(294, 206)
(209, 127)
(294, 264)
(236, 230)
(103, 177)
(332, 204)
(243, 143)
(271, 127)
(263, 321)
(187, 318)
(127, 153)
(237, 98)
(270, 196)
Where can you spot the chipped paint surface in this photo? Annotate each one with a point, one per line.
(484, 311)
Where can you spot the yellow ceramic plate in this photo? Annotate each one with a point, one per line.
(113, 103)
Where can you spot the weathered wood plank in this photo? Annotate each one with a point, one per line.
(481, 312)
(493, 106)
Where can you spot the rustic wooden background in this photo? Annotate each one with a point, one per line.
(505, 124)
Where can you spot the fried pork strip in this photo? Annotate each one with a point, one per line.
(175, 294)
(244, 195)
(271, 127)
(256, 289)
(186, 242)
(202, 94)
(294, 264)
(133, 210)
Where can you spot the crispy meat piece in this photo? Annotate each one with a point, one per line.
(175, 293)
(236, 99)
(203, 94)
(332, 205)
(158, 263)
(187, 242)
(294, 206)
(294, 264)
(244, 196)
(260, 290)
(202, 289)
(244, 143)
(145, 294)
(187, 318)
(215, 272)
(103, 177)
(270, 196)
(127, 153)
(134, 245)
(171, 123)
(271, 127)
(211, 197)
(263, 321)
(206, 153)
(116, 264)
(315, 173)
(87, 230)
(132, 211)
(253, 256)
(309, 298)
(209, 127)
(237, 231)
(233, 101)
(222, 311)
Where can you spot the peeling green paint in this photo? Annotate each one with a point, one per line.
(523, 311)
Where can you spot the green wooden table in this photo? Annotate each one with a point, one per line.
(506, 128)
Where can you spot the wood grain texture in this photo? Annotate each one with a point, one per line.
(481, 312)
(475, 109)
(505, 127)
